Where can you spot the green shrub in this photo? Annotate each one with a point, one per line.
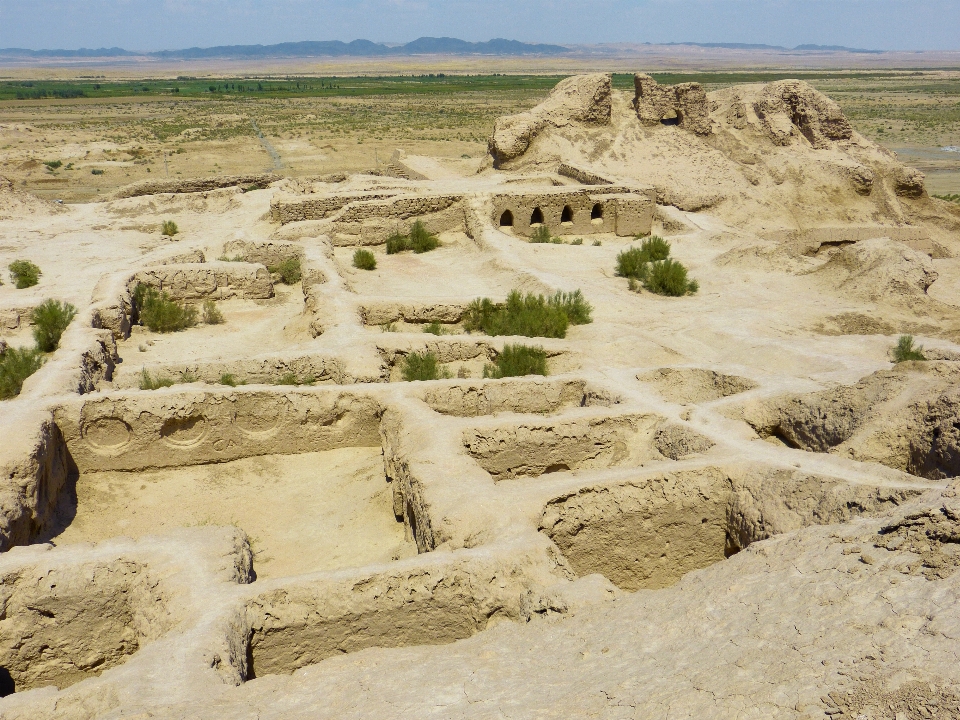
(423, 366)
(24, 274)
(292, 379)
(50, 319)
(16, 365)
(435, 328)
(169, 228)
(153, 383)
(98, 171)
(669, 277)
(235, 258)
(211, 313)
(419, 240)
(530, 315)
(541, 235)
(577, 241)
(651, 265)
(517, 361)
(422, 241)
(289, 271)
(161, 314)
(54, 164)
(597, 243)
(633, 262)
(229, 379)
(904, 350)
(576, 307)
(655, 248)
(397, 243)
(364, 260)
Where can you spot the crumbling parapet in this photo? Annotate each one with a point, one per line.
(687, 102)
(194, 185)
(220, 280)
(789, 106)
(579, 99)
(908, 182)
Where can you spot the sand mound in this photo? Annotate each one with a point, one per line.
(194, 185)
(579, 99)
(761, 156)
(879, 269)
(904, 418)
(790, 106)
(18, 203)
(218, 201)
(695, 385)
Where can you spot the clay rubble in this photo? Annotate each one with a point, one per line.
(729, 504)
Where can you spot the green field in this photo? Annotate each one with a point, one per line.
(288, 87)
(301, 87)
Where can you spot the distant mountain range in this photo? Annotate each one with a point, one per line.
(81, 53)
(366, 48)
(334, 48)
(812, 48)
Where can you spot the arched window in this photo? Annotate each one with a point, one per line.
(567, 215)
(537, 217)
(671, 118)
(597, 212)
(506, 220)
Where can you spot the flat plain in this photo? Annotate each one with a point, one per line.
(140, 128)
(474, 389)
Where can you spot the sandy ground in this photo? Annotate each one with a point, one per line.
(457, 269)
(262, 326)
(762, 314)
(326, 510)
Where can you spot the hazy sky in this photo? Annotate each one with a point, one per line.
(173, 24)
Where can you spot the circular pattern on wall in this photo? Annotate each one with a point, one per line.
(260, 417)
(108, 433)
(184, 432)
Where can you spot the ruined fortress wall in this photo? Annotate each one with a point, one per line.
(815, 237)
(287, 208)
(376, 231)
(209, 280)
(401, 208)
(34, 471)
(192, 185)
(625, 211)
(267, 253)
(582, 176)
(184, 426)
